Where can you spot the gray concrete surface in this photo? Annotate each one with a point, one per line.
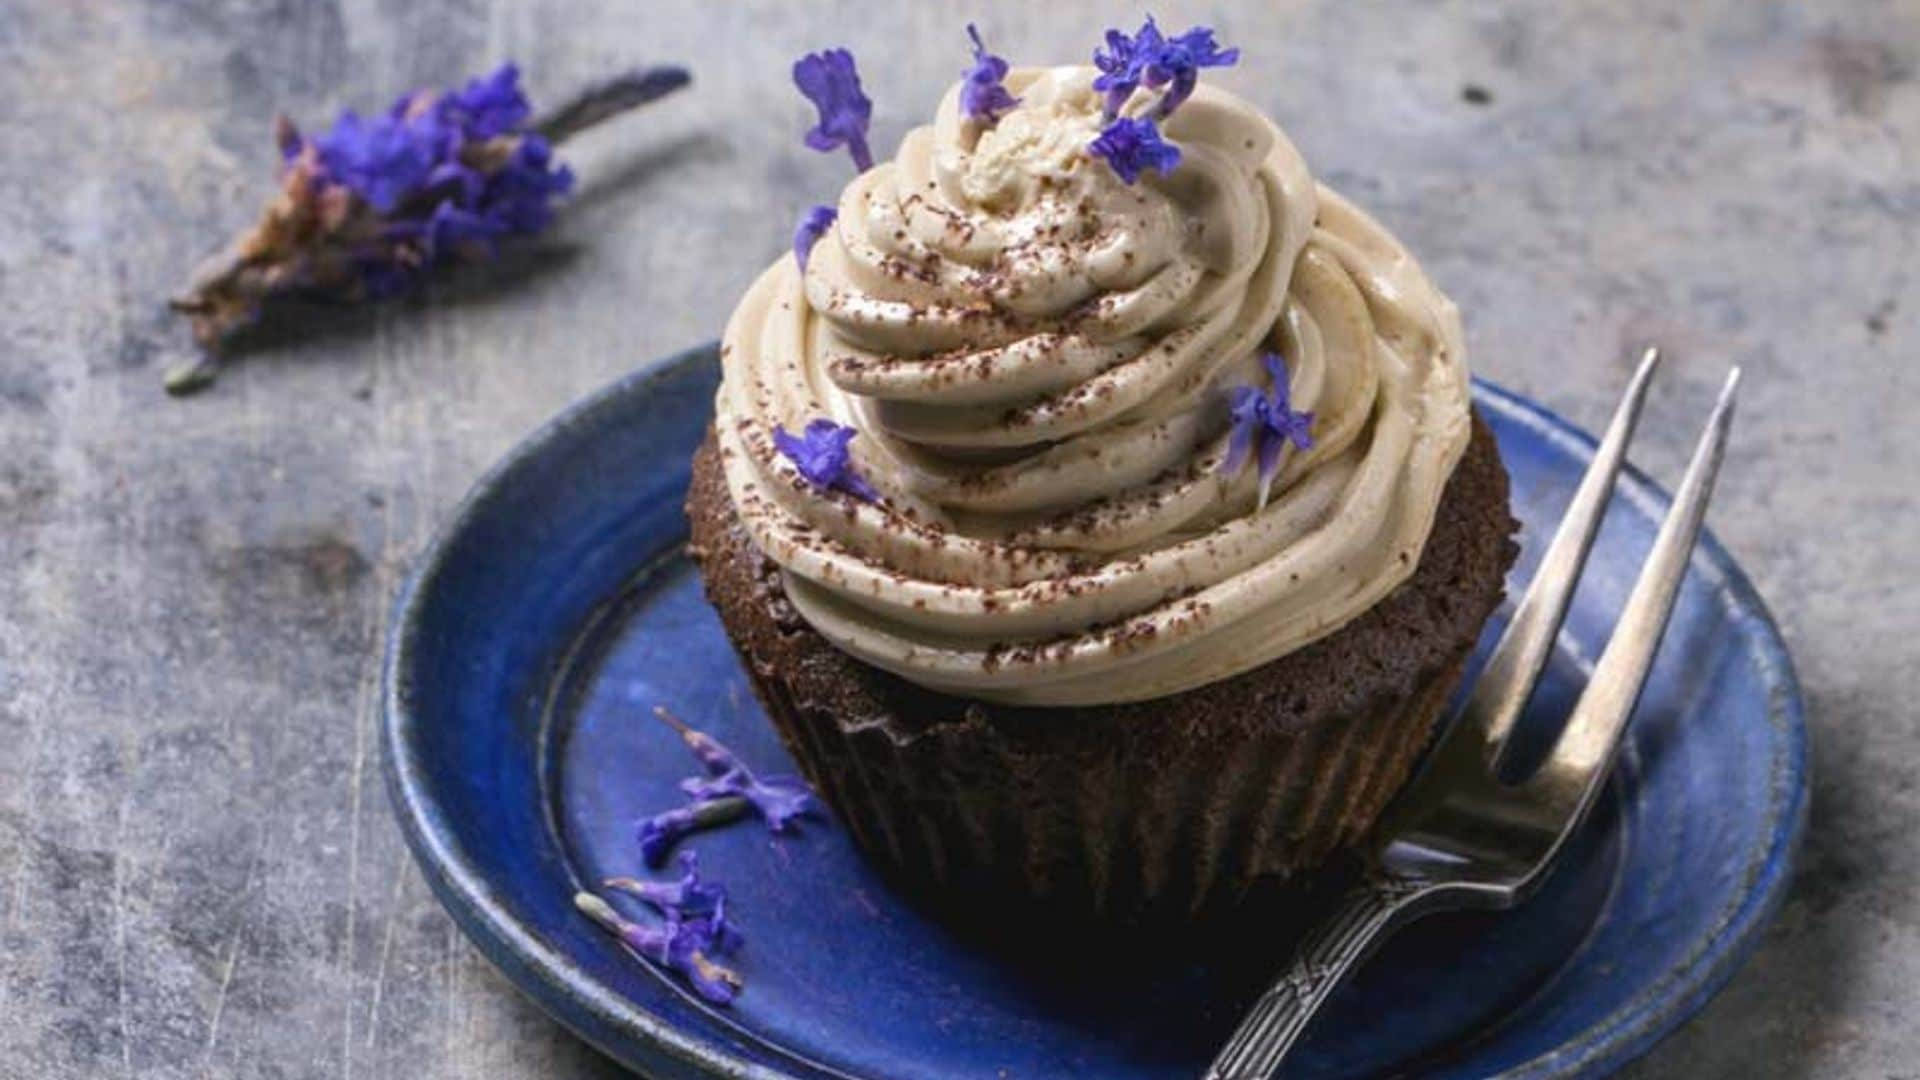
(198, 871)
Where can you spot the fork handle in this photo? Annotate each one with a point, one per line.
(1369, 911)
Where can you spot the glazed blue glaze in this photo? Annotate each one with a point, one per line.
(555, 611)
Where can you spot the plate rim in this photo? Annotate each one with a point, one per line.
(600, 1016)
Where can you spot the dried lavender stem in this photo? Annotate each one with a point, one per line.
(609, 98)
(721, 811)
(598, 910)
(227, 290)
(671, 720)
(190, 376)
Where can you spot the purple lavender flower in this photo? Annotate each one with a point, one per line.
(519, 194)
(659, 833)
(685, 946)
(381, 160)
(830, 81)
(488, 106)
(450, 231)
(368, 205)
(430, 140)
(434, 148)
(813, 225)
(685, 900)
(820, 453)
(778, 799)
(1265, 423)
(727, 793)
(1177, 66)
(982, 96)
(1123, 63)
(447, 174)
(1153, 60)
(1133, 146)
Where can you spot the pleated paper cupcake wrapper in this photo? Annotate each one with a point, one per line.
(959, 809)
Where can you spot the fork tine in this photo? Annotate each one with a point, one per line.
(1503, 688)
(1578, 765)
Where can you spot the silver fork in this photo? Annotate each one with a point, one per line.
(1458, 836)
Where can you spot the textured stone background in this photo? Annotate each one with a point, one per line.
(198, 871)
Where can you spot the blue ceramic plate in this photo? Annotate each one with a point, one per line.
(556, 609)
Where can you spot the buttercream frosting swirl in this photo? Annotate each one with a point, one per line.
(1036, 356)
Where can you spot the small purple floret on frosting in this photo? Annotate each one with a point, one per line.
(1132, 146)
(1153, 60)
(982, 96)
(1265, 423)
(683, 945)
(1122, 62)
(1177, 66)
(820, 453)
(830, 81)
(813, 225)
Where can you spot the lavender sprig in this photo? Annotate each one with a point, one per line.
(366, 207)
(686, 946)
(694, 910)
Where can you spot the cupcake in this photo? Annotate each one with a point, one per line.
(1097, 506)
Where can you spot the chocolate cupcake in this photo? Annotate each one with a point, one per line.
(1098, 507)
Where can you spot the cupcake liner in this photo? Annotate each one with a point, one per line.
(961, 810)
